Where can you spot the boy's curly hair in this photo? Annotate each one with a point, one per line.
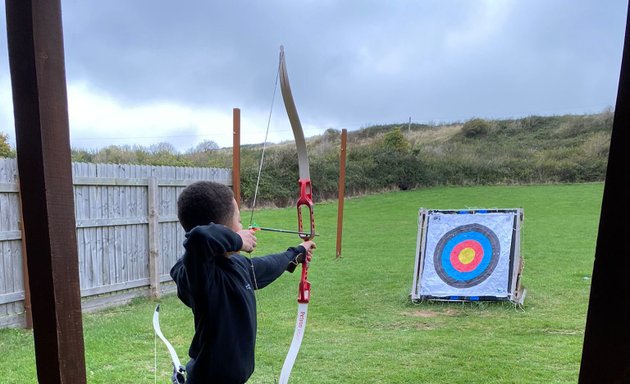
(204, 202)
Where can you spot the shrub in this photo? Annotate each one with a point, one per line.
(475, 128)
(5, 148)
(395, 140)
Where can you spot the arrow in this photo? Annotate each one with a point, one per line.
(256, 228)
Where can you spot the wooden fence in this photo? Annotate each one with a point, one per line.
(128, 235)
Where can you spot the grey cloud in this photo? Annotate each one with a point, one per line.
(353, 62)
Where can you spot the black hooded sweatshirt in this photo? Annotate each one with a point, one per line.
(220, 292)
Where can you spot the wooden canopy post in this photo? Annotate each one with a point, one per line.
(36, 59)
(606, 349)
(236, 155)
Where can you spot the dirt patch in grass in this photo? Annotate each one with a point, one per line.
(430, 314)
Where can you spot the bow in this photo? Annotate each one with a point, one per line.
(305, 202)
(179, 371)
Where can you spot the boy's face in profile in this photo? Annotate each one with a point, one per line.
(234, 223)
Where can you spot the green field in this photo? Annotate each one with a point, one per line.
(362, 327)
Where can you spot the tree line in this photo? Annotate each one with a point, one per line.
(534, 149)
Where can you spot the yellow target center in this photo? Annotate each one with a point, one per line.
(466, 255)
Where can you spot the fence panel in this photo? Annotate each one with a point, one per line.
(114, 231)
(11, 276)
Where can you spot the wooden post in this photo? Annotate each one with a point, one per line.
(40, 107)
(236, 155)
(154, 243)
(342, 189)
(28, 315)
(606, 348)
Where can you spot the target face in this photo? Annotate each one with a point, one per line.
(466, 255)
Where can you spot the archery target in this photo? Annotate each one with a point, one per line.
(467, 255)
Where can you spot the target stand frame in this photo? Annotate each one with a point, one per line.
(436, 244)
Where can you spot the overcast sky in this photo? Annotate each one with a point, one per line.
(148, 71)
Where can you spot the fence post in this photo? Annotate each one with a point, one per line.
(154, 254)
(28, 315)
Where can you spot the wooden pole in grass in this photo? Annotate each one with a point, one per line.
(342, 189)
(236, 155)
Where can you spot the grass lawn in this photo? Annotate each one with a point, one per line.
(362, 327)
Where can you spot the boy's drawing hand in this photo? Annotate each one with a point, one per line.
(249, 239)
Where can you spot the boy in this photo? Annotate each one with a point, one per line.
(217, 283)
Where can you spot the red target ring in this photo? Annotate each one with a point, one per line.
(466, 256)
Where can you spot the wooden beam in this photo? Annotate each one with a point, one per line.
(606, 350)
(36, 59)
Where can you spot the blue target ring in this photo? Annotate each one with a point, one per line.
(467, 255)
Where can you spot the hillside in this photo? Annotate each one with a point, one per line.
(534, 149)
